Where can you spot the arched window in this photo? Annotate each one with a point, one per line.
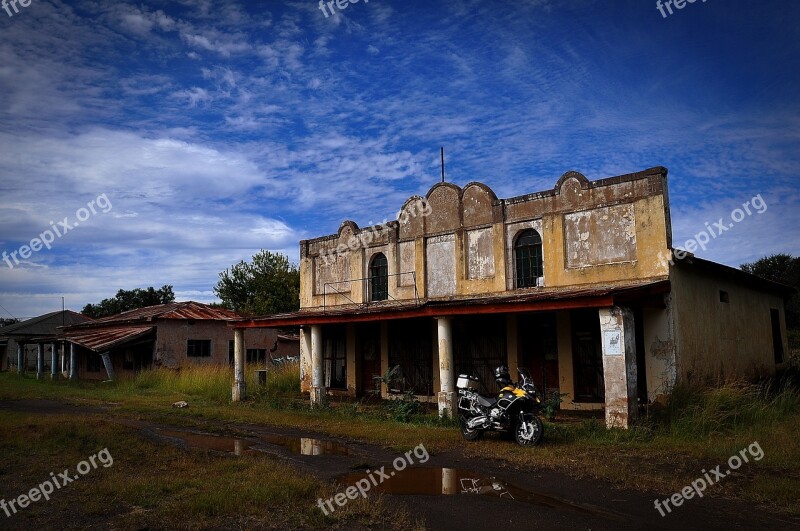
(378, 278)
(528, 258)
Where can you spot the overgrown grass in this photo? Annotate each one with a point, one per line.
(153, 485)
(211, 382)
(663, 452)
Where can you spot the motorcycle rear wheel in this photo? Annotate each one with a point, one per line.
(522, 431)
(467, 433)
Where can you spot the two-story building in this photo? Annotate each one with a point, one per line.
(577, 283)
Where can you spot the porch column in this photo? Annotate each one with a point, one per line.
(73, 363)
(40, 361)
(21, 358)
(239, 387)
(107, 363)
(619, 366)
(54, 361)
(317, 379)
(447, 378)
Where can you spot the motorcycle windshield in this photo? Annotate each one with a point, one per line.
(524, 375)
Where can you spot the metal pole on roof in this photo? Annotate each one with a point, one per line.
(442, 163)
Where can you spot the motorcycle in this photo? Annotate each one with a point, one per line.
(514, 411)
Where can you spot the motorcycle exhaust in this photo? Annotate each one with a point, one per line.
(478, 423)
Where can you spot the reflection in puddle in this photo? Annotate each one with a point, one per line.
(218, 443)
(306, 446)
(450, 481)
(237, 446)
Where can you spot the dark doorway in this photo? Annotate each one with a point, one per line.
(641, 367)
(334, 357)
(538, 348)
(411, 347)
(587, 356)
(479, 345)
(777, 337)
(368, 351)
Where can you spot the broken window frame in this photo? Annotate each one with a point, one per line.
(198, 348)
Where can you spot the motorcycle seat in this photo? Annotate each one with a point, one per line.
(486, 402)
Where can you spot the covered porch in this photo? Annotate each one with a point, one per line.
(602, 348)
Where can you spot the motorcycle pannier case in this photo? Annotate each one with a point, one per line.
(466, 382)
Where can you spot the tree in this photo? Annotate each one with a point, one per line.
(8, 322)
(126, 300)
(783, 268)
(267, 285)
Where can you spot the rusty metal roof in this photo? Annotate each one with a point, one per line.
(102, 339)
(188, 310)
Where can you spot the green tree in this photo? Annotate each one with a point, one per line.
(269, 284)
(783, 268)
(126, 300)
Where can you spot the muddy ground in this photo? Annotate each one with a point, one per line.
(450, 491)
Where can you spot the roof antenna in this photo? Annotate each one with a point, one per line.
(442, 163)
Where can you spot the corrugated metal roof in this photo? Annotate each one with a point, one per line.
(44, 325)
(174, 310)
(102, 339)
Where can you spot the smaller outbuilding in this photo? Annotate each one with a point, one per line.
(22, 343)
(175, 335)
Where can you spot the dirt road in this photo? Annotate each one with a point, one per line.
(448, 490)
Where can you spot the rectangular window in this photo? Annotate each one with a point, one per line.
(198, 348)
(724, 296)
(777, 337)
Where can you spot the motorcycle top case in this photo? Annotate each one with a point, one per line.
(466, 382)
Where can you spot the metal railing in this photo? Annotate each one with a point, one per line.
(366, 291)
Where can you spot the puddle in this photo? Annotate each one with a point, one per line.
(453, 481)
(237, 446)
(218, 443)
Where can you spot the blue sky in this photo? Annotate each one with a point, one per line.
(215, 129)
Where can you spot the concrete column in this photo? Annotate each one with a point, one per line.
(447, 378)
(54, 362)
(40, 362)
(317, 378)
(20, 358)
(618, 338)
(73, 363)
(107, 363)
(239, 387)
(64, 359)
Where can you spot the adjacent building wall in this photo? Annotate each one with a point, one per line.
(716, 340)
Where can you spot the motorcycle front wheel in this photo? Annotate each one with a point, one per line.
(529, 432)
(467, 433)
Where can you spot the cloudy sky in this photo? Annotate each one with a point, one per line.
(206, 130)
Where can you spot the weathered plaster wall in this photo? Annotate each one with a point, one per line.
(718, 340)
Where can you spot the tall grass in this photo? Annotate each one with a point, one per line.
(694, 412)
(207, 381)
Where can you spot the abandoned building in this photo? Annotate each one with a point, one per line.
(174, 335)
(579, 284)
(22, 343)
